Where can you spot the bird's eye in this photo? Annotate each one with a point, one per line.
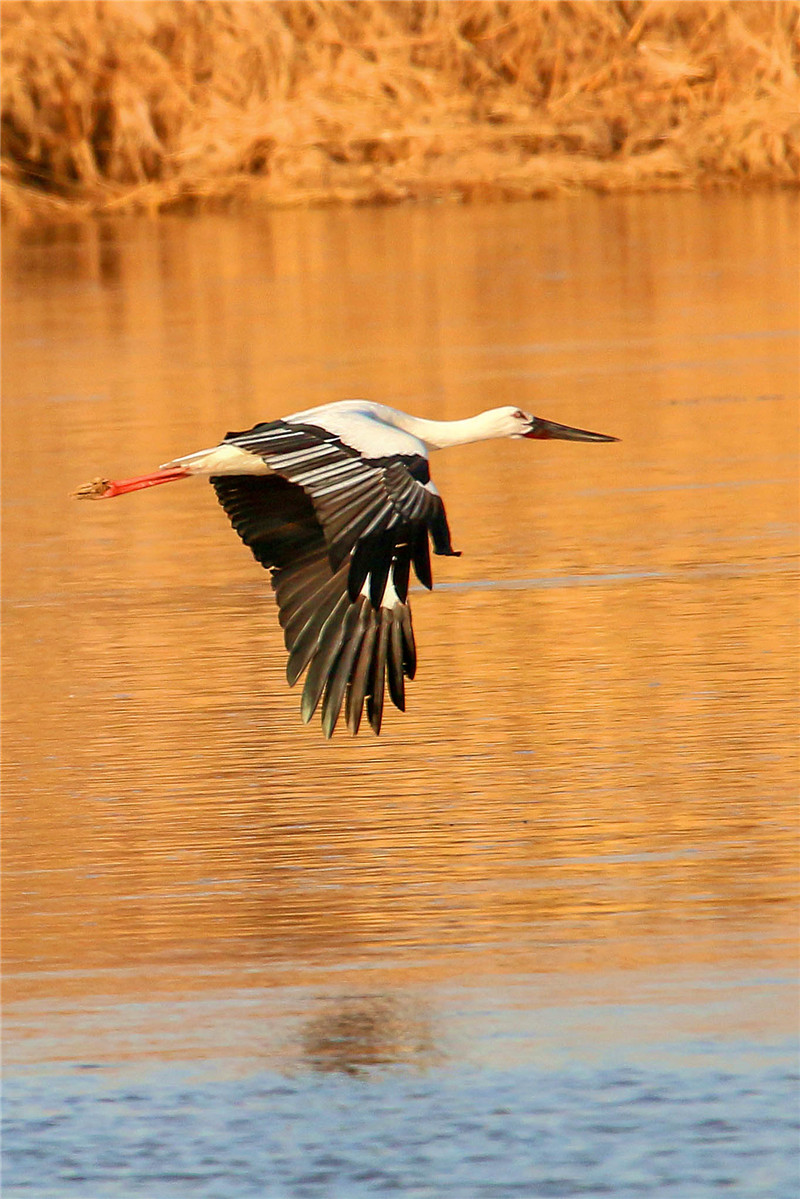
(520, 415)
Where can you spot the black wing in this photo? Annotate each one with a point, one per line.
(339, 535)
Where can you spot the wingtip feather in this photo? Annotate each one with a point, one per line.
(378, 674)
(359, 682)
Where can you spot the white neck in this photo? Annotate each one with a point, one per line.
(440, 434)
(353, 421)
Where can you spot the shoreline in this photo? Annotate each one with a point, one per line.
(173, 105)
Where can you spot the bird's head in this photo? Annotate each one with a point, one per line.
(517, 423)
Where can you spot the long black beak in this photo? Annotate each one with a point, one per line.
(548, 428)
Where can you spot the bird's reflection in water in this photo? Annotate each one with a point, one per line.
(354, 1033)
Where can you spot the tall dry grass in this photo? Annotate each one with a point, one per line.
(111, 104)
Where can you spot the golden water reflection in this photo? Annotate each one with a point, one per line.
(597, 771)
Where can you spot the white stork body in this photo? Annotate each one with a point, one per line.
(338, 503)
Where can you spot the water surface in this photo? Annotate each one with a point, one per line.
(538, 939)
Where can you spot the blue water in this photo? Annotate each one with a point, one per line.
(471, 1091)
(468, 1133)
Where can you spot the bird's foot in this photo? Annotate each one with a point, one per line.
(96, 490)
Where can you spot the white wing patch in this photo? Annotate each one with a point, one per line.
(364, 428)
(390, 596)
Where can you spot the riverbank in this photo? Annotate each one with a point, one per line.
(130, 106)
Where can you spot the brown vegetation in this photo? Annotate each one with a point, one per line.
(128, 104)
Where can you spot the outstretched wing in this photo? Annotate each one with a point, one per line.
(339, 535)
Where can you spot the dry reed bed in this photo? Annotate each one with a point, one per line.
(125, 104)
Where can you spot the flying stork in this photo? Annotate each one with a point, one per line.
(337, 501)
